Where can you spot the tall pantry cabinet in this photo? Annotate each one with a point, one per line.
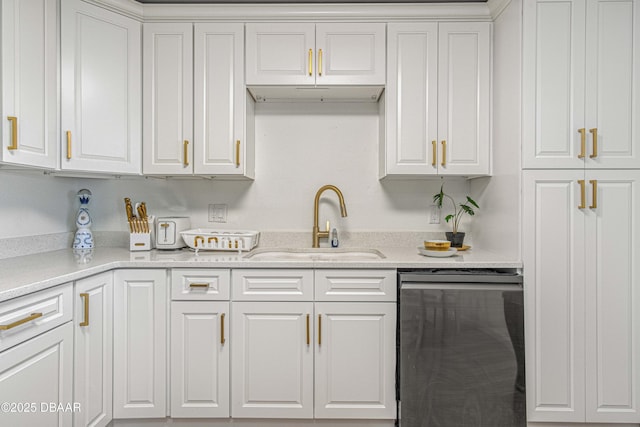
(581, 189)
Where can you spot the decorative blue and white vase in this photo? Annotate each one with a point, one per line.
(84, 236)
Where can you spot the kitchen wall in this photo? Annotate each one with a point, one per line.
(299, 148)
(497, 224)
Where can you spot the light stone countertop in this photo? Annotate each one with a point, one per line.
(26, 274)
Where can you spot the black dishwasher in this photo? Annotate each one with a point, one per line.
(461, 349)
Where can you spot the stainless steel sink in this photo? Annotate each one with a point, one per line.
(315, 254)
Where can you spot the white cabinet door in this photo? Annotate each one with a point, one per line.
(350, 54)
(199, 359)
(438, 99)
(272, 367)
(554, 262)
(168, 98)
(553, 83)
(411, 99)
(315, 54)
(140, 344)
(93, 364)
(613, 297)
(30, 83)
(612, 94)
(578, 109)
(355, 360)
(101, 90)
(464, 99)
(280, 54)
(221, 146)
(39, 370)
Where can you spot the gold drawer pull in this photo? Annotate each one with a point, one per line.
(310, 62)
(319, 329)
(222, 340)
(14, 133)
(85, 297)
(29, 318)
(583, 141)
(320, 62)
(434, 154)
(583, 203)
(198, 285)
(594, 135)
(444, 153)
(594, 193)
(238, 153)
(308, 332)
(185, 146)
(68, 145)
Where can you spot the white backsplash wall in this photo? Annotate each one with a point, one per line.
(299, 148)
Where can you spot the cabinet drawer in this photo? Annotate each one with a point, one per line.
(272, 285)
(200, 284)
(25, 317)
(355, 285)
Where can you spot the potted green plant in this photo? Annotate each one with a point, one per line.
(459, 209)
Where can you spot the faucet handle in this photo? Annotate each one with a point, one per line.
(328, 227)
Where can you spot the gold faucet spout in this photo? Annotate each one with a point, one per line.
(317, 234)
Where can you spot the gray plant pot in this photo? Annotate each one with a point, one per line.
(455, 239)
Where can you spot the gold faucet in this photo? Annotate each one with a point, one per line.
(317, 234)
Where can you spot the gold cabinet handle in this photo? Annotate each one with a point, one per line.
(68, 145)
(29, 318)
(222, 340)
(594, 193)
(238, 153)
(583, 141)
(85, 298)
(444, 153)
(14, 133)
(185, 147)
(594, 135)
(308, 332)
(198, 285)
(434, 153)
(319, 62)
(582, 204)
(319, 329)
(310, 62)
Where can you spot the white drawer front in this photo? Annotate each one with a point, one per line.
(272, 285)
(25, 317)
(355, 285)
(200, 284)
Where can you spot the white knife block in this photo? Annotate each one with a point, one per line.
(143, 240)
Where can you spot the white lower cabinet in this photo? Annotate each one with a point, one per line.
(355, 360)
(35, 378)
(300, 359)
(582, 292)
(93, 364)
(140, 344)
(36, 359)
(199, 359)
(272, 366)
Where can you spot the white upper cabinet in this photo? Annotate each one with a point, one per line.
(168, 98)
(101, 90)
(195, 102)
(315, 54)
(30, 83)
(437, 100)
(580, 69)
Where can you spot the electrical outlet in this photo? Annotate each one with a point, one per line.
(218, 213)
(434, 214)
